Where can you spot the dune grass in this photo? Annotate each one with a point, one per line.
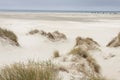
(95, 73)
(4, 33)
(80, 52)
(97, 78)
(56, 54)
(84, 54)
(35, 31)
(30, 71)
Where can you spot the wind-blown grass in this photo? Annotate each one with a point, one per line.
(30, 71)
(4, 33)
(84, 54)
(94, 74)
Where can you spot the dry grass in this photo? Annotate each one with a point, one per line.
(30, 71)
(97, 78)
(84, 54)
(35, 31)
(115, 42)
(80, 52)
(93, 63)
(61, 68)
(94, 73)
(8, 34)
(56, 54)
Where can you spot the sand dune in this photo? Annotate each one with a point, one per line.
(102, 28)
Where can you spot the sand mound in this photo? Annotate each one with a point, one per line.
(115, 42)
(75, 66)
(8, 37)
(52, 36)
(86, 43)
(56, 36)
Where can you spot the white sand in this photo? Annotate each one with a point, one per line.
(101, 27)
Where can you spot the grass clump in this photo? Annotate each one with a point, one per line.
(35, 31)
(30, 71)
(80, 52)
(97, 78)
(4, 33)
(84, 54)
(56, 54)
(93, 64)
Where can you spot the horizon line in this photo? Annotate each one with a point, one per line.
(32, 10)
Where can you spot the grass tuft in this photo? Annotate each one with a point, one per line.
(84, 54)
(97, 78)
(80, 52)
(4, 33)
(35, 31)
(30, 71)
(56, 54)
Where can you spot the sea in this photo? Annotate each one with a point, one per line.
(62, 11)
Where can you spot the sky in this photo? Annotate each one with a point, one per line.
(76, 5)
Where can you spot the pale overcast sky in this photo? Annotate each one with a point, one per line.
(61, 4)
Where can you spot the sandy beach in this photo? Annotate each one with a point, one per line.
(100, 27)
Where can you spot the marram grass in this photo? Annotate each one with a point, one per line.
(30, 71)
(4, 33)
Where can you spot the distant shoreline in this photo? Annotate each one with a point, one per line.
(60, 11)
